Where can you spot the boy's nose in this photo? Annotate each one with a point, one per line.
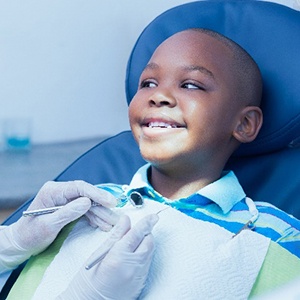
(160, 98)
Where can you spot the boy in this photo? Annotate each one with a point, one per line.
(198, 99)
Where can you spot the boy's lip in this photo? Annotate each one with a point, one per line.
(163, 123)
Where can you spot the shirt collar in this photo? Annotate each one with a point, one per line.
(225, 192)
(140, 178)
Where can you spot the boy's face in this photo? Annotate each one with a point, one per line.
(184, 111)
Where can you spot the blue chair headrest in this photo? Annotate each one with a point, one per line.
(269, 32)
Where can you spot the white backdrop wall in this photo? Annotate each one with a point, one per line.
(62, 63)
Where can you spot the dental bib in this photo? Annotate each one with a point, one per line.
(193, 259)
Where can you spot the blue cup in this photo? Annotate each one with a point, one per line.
(17, 134)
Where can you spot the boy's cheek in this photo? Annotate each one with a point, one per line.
(133, 114)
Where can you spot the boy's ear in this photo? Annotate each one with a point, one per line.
(249, 124)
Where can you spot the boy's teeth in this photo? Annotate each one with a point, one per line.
(160, 125)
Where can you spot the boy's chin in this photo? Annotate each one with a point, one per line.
(158, 160)
(154, 155)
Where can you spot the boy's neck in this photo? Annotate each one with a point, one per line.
(179, 185)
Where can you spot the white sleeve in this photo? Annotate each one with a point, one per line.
(3, 274)
(10, 255)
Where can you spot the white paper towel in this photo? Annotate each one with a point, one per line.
(193, 259)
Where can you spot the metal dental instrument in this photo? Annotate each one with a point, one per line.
(135, 199)
(42, 211)
(47, 210)
(98, 259)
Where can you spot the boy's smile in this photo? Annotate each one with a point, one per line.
(186, 106)
(160, 124)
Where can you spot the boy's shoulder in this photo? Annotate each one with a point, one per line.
(271, 211)
(280, 226)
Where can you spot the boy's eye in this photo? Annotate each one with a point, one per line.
(148, 84)
(192, 86)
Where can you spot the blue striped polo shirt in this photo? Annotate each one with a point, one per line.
(222, 202)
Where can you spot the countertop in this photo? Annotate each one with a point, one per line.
(24, 172)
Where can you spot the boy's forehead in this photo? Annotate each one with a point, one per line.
(194, 50)
(192, 43)
(186, 36)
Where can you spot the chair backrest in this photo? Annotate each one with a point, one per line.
(268, 167)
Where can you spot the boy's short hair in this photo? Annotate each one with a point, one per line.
(248, 74)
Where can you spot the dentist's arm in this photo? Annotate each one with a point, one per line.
(32, 234)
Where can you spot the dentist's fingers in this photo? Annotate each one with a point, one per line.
(79, 188)
(134, 237)
(69, 212)
(59, 193)
(102, 217)
(120, 273)
(117, 233)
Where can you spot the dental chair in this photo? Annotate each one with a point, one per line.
(267, 168)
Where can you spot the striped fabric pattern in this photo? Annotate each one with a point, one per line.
(228, 210)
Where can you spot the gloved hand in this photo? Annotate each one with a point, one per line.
(123, 271)
(31, 235)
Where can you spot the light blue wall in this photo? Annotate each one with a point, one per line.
(62, 63)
